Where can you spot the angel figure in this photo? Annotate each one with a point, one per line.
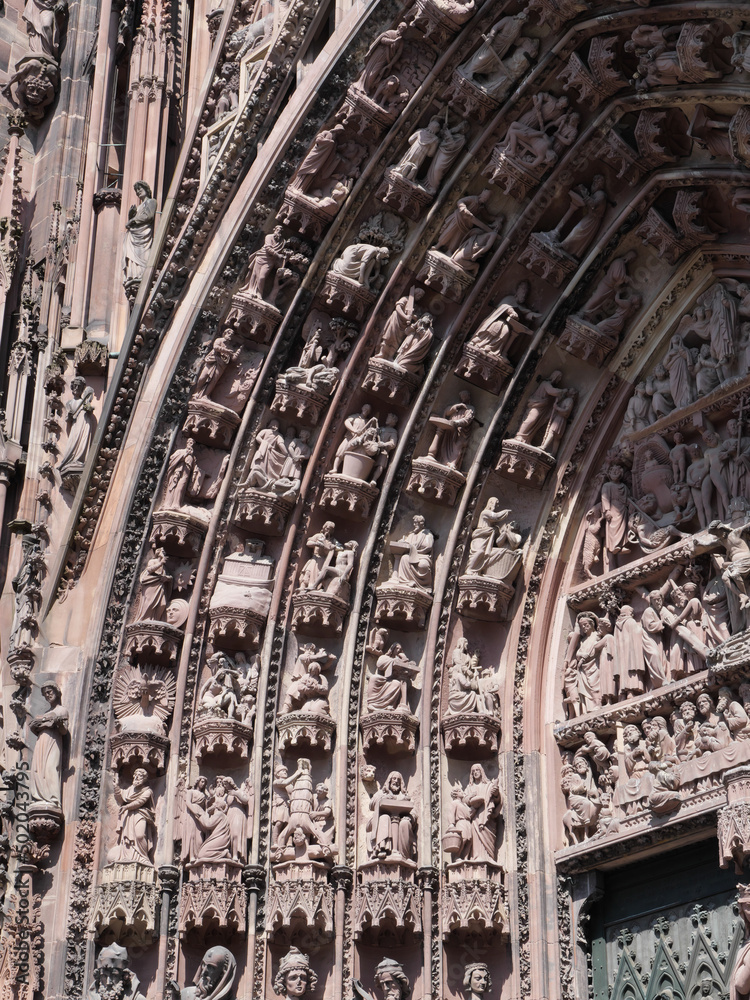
(144, 699)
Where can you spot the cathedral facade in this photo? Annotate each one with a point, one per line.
(375, 493)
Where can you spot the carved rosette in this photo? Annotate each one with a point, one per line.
(547, 259)
(510, 174)
(387, 903)
(403, 607)
(304, 214)
(523, 463)
(305, 730)
(394, 731)
(215, 736)
(406, 197)
(300, 901)
(253, 318)
(300, 403)
(153, 642)
(584, 341)
(488, 371)
(45, 821)
(484, 599)
(314, 612)
(347, 497)
(470, 734)
(733, 821)
(347, 296)
(235, 628)
(445, 276)
(127, 904)
(213, 898)
(364, 116)
(468, 100)
(210, 424)
(262, 513)
(389, 382)
(134, 749)
(178, 532)
(473, 903)
(435, 482)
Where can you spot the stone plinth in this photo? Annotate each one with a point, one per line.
(126, 905)
(210, 424)
(405, 196)
(179, 532)
(315, 612)
(149, 750)
(486, 370)
(733, 821)
(468, 100)
(393, 731)
(153, 642)
(253, 318)
(45, 821)
(584, 341)
(299, 402)
(261, 512)
(512, 175)
(305, 731)
(525, 464)
(484, 599)
(441, 273)
(305, 214)
(439, 483)
(364, 116)
(470, 735)
(436, 22)
(403, 607)
(387, 903)
(300, 902)
(732, 655)
(215, 736)
(235, 628)
(547, 259)
(473, 903)
(389, 382)
(347, 497)
(347, 296)
(213, 898)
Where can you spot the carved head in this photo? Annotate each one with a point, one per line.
(140, 777)
(112, 977)
(656, 600)
(555, 377)
(631, 735)
(587, 623)
(465, 397)
(477, 978)
(394, 783)
(77, 385)
(522, 292)
(142, 189)
(598, 183)
(177, 612)
(477, 775)
(418, 522)
(724, 698)
(51, 693)
(687, 711)
(295, 976)
(216, 973)
(392, 980)
(616, 473)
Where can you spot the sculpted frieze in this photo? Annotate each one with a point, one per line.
(322, 598)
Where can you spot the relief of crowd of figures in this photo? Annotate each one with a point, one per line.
(663, 560)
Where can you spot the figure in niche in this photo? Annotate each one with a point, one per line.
(263, 265)
(298, 790)
(469, 231)
(392, 825)
(221, 692)
(388, 686)
(470, 688)
(78, 411)
(27, 594)
(215, 364)
(50, 730)
(422, 144)
(196, 800)
(629, 653)
(475, 813)
(495, 546)
(139, 234)
(398, 323)
(156, 586)
(143, 699)
(705, 370)
(355, 426)
(735, 566)
(550, 407)
(184, 477)
(295, 977)
(486, 68)
(539, 136)
(327, 172)
(415, 345)
(583, 800)
(214, 979)
(308, 691)
(222, 824)
(380, 60)
(452, 432)
(477, 981)
(592, 204)
(505, 324)
(615, 281)
(612, 515)
(452, 141)
(113, 977)
(413, 564)
(362, 263)
(279, 802)
(136, 822)
(324, 547)
(582, 660)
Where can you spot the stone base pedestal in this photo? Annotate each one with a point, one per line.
(389, 382)
(473, 904)
(488, 371)
(299, 403)
(733, 821)
(305, 731)
(446, 277)
(253, 318)
(470, 735)
(305, 215)
(439, 483)
(525, 464)
(436, 23)
(394, 731)
(362, 115)
(314, 612)
(583, 341)
(402, 607)
(153, 642)
(511, 175)
(347, 497)
(179, 532)
(387, 903)
(213, 899)
(210, 424)
(468, 100)
(261, 512)
(300, 903)
(215, 736)
(45, 821)
(347, 296)
(127, 904)
(547, 259)
(484, 599)
(405, 196)
(147, 750)
(235, 628)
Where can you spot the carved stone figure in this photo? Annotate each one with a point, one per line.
(214, 979)
(216, 822)
(139, 234)
(550, 407)
(615, 280)
(495, 546)
(300, 804)
(415, 345)
(361, 263)
(511, 318)
(388, 686)
(486, 68)
(423, 144)
(43, 20)
(295, 977)
(27, 595)
(215, 364)
(392, 824)
(392, 980)
(470, 688)
(324, 549)
(398, 323)
(583, 800)
(452, 141)
(582, 661)
(50, 730)
(735, 566)
(263, 266)
(452, 432)
(136, 823)
(591, 204)
(156, 586)
(113, 976)
(474, 813)
(78, 411)
(468, 233)
(321, 168)
(413, 565)
(308, 691)
(477, 981)
(740, 976)
(221, 692)
(380, 60)
(184, 477)
(34, 84)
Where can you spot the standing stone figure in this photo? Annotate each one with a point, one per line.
(136, 824)
(739, 982)
(139, 234)
(42, 18)
(46, 761)
(78, 410)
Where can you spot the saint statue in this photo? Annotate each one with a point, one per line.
(46, 762)
(139, 233)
